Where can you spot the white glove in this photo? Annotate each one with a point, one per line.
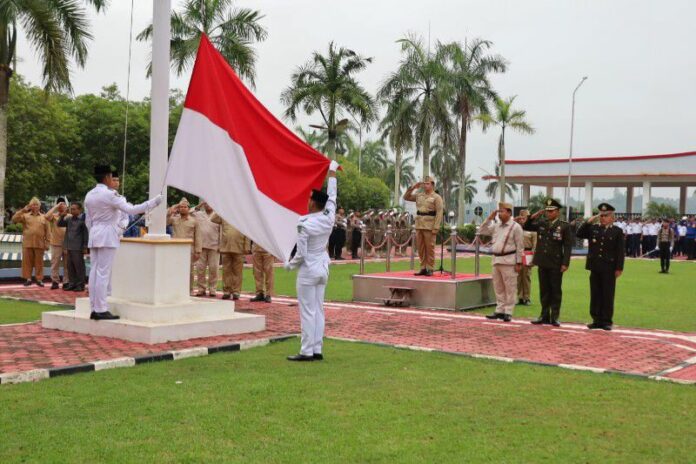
(287, 266)
(157, 200)
(334, 166)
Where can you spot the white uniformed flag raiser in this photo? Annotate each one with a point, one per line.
(231, 151)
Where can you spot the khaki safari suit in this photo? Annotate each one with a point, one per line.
(524, 279)
(187, 228)
(59, 256)
(35, 239)
(263, 270)
(233, 247)
(209, 259)
(507, 239)
(428, 219)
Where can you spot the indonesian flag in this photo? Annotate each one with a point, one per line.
(231, 151)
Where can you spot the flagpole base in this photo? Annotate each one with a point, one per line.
(151, 294)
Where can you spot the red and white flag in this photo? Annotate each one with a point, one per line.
(231, 151)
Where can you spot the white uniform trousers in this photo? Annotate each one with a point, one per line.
(101, 260)
(310, 296)
(505, 286)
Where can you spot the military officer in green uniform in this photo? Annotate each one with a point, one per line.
(552, 258)
(605, 261)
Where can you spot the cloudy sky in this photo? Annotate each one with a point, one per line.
(640, 96)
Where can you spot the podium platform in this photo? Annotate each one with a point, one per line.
(466, 291)
(151, 295)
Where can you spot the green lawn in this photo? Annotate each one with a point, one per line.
(362, 404)
(12, 311)
(644, 297)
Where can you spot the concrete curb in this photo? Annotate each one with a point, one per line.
(41, 374)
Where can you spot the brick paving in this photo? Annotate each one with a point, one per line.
(653, 353)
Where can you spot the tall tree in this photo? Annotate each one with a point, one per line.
(233, 32)
(493, 189)
(397, 128)
(327, 84)
(469, 69)
(406, 175)
(375, 157)
(58, 33)
(418, 84)
(505, 116)
(444, 167)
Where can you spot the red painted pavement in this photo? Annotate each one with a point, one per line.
(636, 351)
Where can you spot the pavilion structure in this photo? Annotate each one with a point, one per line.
(642, 171)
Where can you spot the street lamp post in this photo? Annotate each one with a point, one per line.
(570, 155)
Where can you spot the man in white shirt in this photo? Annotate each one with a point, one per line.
(104, 208)
(508, 248)
(312, 259)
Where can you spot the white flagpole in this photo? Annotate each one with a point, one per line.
(159, 118)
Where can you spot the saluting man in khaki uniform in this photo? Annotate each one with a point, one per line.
(524, 278)
(508, 248)
(35, 238)
(210, 250)
(428, 219)
(58, 254)
(233, 247)
(263, 273)
(185, 226)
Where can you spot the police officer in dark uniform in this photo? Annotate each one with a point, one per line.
(552, 257)
(605, 261)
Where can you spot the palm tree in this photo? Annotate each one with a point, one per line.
(327, 85)
(406, 175)
(469, 68)
(375, 157)
(470, 189)
(319, 140)
(233, 32)
(397, 128)
(504, 116)
(58, 32)
(494, 186)
(444, 167)
(418, 85)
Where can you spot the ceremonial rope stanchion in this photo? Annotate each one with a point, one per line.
(389, 239)
(477, 246)
(413, 248)
(453, 251)
(362, 249)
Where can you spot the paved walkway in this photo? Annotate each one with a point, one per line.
(658, 354)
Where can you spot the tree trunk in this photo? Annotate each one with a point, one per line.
(397, 177)
(4, 98)
(461, 200)
(501, 157)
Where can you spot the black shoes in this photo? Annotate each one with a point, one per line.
(27, 283)
(555, 323)
(267, 299)
(318, 357)
(520, 301)
(67, 287)
(105, 316)
(258, 298)
(78, 288)
(235, 296)
(301, 357)
(506, 318)
(594, 326)
(55, 286)
(495, 316)
(539, 321)
(422, 272)
(226, 296)
(39, 283)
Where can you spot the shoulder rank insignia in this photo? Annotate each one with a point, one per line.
(326, 212)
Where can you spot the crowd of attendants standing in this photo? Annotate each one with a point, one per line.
(642, 236)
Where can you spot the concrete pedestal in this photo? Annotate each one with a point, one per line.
(150, 291)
